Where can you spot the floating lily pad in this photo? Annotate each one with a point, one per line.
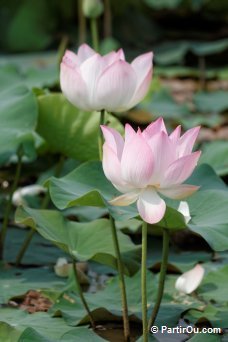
(83, 241)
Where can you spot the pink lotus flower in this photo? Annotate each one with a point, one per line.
(92, 82)
(148, 164)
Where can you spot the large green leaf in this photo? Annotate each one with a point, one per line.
(16, 282)
(106, 304)
(68, 130)
(87, 186)
(40, 251)
(32, 77)
(18, 116)
(40, 327)
(209, 213)
(83, 241)
(205, 177)
(216, 154)
(214, 286)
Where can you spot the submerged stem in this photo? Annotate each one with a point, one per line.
(84, 303)
(121, 280)
(9, 202)
(143, 282)
(165, 253)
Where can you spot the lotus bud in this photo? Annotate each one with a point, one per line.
(92, 8)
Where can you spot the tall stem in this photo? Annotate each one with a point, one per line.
(94, 33)
(81, 295)
(44, 205)
(165, 253)
(107, 19)
(81, 24)
(121, 280)
(9, 203)
(117, 251)
(100, 139)
(143, 282)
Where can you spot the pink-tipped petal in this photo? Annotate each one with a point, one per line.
(85, 52)
(129, 133)
(114, 140)
(70, 59)
(110, 58)
(189, 281)
(163, 153)
(143, 68)
(187, 141)
(180, 170)
(154, 128)
(112, 169)
(74, 87)
(175, 135)
(137, 162)
(121, 54)
(179, 191)
(151, 206)
(116, 86)
(91, 70)
(125, 199)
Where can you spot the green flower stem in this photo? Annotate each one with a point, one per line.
(81, 24)
(9, 202)
(44, 205)
(94, 33)
(107, 19)
(143, 282)
(100, 139)
(117, 252)
(82, 296)
(121, 280)
(165, 253)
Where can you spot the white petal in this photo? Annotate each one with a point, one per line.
(143, 68)
(116, 87)
(125, 199)
(85, 52)
(91, 70)
(151, 206)
(73, 87)
(189, 281)
(184, 210)
(179, 191)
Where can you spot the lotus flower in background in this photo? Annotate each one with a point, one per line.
(94, 82)
(149, 163)
(189, 281)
